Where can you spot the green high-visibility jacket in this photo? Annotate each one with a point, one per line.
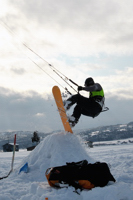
(97, 93)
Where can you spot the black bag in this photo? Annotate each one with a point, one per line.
(80, 175)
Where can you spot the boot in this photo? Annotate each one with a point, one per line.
(72, 121)
(67, 104)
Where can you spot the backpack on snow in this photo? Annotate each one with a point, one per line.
(82, 175)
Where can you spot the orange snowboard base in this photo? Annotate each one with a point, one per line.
(61, 109)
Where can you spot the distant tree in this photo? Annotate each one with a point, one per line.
(35, 137)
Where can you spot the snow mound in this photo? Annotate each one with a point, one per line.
(55, 150)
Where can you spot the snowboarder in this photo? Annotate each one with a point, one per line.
(91, 106)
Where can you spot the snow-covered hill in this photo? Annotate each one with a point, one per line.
(57, 149)
(114, 142)
(107, 133)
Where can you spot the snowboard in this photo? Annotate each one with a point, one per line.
(61, 109)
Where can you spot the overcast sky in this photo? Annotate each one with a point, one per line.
(80, 38)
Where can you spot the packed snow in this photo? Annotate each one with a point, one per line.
(56, 150)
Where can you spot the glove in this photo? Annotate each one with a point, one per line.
(80, 88)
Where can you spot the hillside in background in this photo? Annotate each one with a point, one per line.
(104, 133)
(108, 133)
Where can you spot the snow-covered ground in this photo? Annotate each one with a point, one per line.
(114, 142)
(55, 150)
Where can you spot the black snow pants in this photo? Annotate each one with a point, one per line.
(85, 106)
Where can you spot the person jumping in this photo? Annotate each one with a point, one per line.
(91, 106)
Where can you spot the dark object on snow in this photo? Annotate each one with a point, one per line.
(8, 147)
(4, 177)
(35, 137)
(80, 175)
(30, 148)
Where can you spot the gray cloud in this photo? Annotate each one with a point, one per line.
(20, 112)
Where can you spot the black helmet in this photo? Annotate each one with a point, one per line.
(89, 81)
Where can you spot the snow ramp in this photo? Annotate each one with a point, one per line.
(55, 150)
